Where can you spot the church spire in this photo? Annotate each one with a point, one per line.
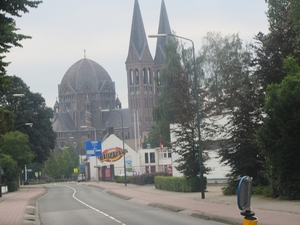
(163, 28)
(138, 44)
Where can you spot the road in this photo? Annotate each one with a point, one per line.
(76, 204)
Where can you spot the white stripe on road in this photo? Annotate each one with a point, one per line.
(91, 207)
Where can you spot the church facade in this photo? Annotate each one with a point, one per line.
(88, 108)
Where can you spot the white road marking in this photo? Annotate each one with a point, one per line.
(103, 213)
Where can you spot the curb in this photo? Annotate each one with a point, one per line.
(31, 216)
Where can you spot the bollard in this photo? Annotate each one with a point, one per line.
(249, 218)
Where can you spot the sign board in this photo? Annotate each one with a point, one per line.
(81, 166)
(93, 148)
(244, 193)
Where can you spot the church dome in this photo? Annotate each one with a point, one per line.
(85, 71)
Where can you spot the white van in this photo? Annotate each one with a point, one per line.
(81, 177)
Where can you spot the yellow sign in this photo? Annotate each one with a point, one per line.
(75, 170)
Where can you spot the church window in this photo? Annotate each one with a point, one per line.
(137, 77)
(149, 77)
(158, 78)
(144, 76)
(81, 116)
(131, 77)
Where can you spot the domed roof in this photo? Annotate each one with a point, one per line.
(85, 71)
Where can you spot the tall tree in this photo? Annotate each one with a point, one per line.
(31, 108)
(279, 135)
(176, 105)
(233, 90)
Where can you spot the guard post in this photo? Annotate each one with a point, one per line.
(244, 201)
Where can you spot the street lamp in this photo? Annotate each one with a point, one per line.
(24, 124)
(197, 105)
(124, 152)
(97, 172)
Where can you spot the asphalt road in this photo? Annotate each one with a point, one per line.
(72, 204)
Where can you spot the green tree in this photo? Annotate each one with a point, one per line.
(279, 135)
(15, 144)
(233, 90)
(64, 163)
(31, 108)
(51, 167)
(10, 168)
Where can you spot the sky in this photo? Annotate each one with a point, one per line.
(62, 29)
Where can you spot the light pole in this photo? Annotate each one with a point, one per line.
(24, 124)
(124, 152)
(197, 106)
(97, 169)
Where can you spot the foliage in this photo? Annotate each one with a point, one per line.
(31, 108)
(233, 91)
(9, 166)
(51, 167)
(178, 184)
(8, 29)
(15, 144)
(7, 121)
(279, 136)
(73, 154)
(64, 163)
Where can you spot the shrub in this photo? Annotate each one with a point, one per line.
(178, 184)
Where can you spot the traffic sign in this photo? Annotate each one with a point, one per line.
(93, 148)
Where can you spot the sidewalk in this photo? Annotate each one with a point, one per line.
(215, 206)
(19, 207)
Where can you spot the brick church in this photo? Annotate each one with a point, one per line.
(88, 107)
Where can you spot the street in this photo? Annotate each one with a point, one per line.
(72, 204)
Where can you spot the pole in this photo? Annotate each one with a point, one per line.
(97, 172)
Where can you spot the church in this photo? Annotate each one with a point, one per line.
(87, 107)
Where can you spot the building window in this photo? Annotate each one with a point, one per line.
(152, 157)
(146, 158)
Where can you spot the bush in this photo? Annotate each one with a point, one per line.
(228, 190)
(178, 184)
(12, 186)
(146, 178)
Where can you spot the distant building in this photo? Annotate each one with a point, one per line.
(88, 107)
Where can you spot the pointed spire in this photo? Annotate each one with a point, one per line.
(138, 38)
(163, 28)
(84, 55)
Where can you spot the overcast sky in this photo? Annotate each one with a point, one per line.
(62, 29)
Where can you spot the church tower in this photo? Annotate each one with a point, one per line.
(140, 82)
(160, 56)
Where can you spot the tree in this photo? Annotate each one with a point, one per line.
(10, 168)
(31, 108)
(64, 163)
(15, 144)
(51, 167)
(233, 90)
(176, 105)
(279, 135)
(8, 29)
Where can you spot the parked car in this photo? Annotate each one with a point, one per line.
(81, 177)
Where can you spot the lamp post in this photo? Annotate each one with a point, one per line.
(197, 106)
(24, 124)
(115, 111)
(97, 169)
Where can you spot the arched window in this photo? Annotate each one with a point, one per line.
(158, 78)
(81, 116)
(137, 82)
(131, 77)
(145, 76)
(149, 77)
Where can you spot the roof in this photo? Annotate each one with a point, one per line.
(63, 122)
(113, 118)
(163, 28)
(82, 72)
